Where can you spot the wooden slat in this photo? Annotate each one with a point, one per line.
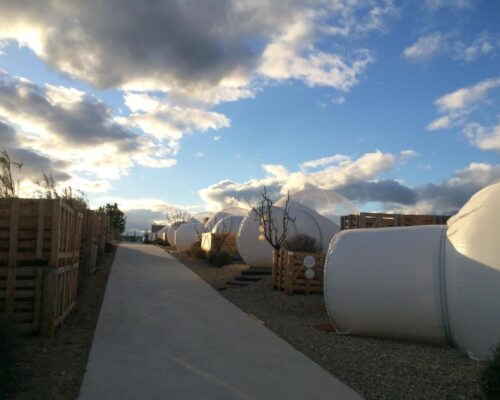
(11, 272)
(56, 229)
(40, 229)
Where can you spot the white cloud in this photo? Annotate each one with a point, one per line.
(484, 138)
(355, 176)
(435, 5)
(483, 44)
(439, 123)
(321, 162)
(458, 108)
(425, 47)
(292, 56)
(164, 121)
(76, 132)
(467, 96)
(206, 52)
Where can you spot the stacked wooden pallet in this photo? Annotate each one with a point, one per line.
(380, 220)
(90, 238)
(39, 260)
(289, 272)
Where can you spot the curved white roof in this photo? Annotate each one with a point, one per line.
(229, 224)
(187, 235)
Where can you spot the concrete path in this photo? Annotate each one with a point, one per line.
(163, 333)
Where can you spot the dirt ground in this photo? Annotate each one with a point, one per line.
(53, 368)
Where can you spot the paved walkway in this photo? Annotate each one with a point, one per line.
(163, 333)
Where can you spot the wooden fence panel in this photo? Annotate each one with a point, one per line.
(381, 220)
(289, 272)
(39, 260)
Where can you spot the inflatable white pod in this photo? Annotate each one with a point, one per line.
(171, 234)
(259, 253)
(229, 224)
(161, 234)
(215, 218)
(326, 229)
(429, 283)
(473, 273)
(187, 235)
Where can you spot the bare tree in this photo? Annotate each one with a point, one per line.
(177, 216)
(9, 185)
(274, 230)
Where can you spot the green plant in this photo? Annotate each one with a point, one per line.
(117, 217)
(490, 377)
(303, 243)
(196, 251)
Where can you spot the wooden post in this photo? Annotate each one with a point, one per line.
(289, 275)
(40, 228)
(56, 233)
(49, 303)
(12, 262)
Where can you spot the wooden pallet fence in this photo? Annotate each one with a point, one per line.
(104, 223)
(90, 236)
(380, 220)
(38, 238)
(211, 242)
(288, 272)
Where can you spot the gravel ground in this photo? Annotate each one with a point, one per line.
(376, 368)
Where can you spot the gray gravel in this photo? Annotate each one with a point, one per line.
(376, 368)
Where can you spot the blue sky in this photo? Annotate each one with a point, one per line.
(394, 104)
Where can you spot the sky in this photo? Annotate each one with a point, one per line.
(200, 104)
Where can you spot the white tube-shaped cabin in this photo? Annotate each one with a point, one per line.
(430, 283)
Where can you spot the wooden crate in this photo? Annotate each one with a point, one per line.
(104, 223)
(90, 236)
(288, 272)
(380, 220)
(91, 226)
(38, 238)
(24, 309)
(210, 242)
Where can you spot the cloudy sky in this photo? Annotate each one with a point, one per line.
(198, 104)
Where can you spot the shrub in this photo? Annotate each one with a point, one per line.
(108, 247)
(303, 243)
(219, 259)
(160, 242)
(196, 251)
(490, 377)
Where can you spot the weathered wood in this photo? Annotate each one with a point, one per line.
(56, 232)
(381, 220)
(45, 233)
(40, 229)
(289, 272)
(11, 272)
(49, 303)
